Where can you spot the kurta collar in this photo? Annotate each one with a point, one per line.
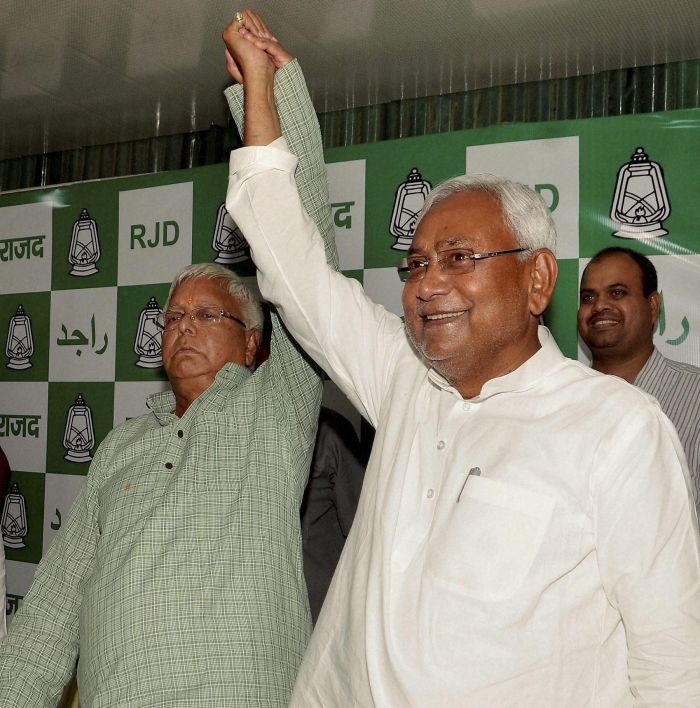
(540, 364)
(229, 377)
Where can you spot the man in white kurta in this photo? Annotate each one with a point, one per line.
(524, 538)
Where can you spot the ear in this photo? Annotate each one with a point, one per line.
(253, 337)
(655, 304)
(543, 270)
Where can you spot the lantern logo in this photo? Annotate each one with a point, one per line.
(84, 246)
(79, 435)
(641, 203)
(228, 241)
(14, 518)
(148, 343)
(409, 200)
(20, 343)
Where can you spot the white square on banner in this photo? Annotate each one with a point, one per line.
(346, 186)
(60, 491)
(82, 341)
(25, 248)
(155, 233)
(384, 286)
(677, 334)
(130, 398)
(548, 166)
(24, 412)
(18, 578)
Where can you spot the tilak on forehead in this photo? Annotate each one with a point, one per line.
(189, 299)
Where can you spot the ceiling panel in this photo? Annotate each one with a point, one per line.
(85, 72)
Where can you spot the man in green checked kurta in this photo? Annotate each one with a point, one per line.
(177, 579)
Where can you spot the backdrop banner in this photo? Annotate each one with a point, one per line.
(85, 269)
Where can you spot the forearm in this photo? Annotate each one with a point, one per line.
(301, 132)
(300, 128)
(263, 124)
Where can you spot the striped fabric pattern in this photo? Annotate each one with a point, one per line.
(676, 386)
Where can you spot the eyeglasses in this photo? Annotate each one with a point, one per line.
(203, 316)
(456, 261)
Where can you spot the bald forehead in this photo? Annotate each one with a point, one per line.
(617, 266)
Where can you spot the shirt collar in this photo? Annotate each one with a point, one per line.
(229, 377)
(540, 364)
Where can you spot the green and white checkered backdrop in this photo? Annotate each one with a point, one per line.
(84, 268)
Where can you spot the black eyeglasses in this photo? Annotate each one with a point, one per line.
(202, 316)
(454, 261)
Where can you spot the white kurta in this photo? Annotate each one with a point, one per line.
(533, 546)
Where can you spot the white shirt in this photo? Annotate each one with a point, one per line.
(520, 583)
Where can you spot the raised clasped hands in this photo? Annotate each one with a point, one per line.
(251, 49)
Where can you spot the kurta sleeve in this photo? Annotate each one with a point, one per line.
(647, 543)
(353, 339)
(38, 655)
(298, 377)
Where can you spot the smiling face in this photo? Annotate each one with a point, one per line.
(193, 354)
(615, 318)
(477, 325)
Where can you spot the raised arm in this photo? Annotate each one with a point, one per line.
(353, 339)
(291, 114)
(281, 79)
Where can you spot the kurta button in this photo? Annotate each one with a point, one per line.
(465, 406)
(441, 445)
(431, 493)
(180, 433)
(168, 465)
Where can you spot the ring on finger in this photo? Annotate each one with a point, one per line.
(239, 18)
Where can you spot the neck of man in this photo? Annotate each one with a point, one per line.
(626, 366)
(187, 391)
(469, 383)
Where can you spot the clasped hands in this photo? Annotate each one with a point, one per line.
(251, 49)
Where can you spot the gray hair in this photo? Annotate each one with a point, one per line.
(251, 309)
(524, 210)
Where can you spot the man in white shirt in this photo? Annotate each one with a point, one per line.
(525, 535)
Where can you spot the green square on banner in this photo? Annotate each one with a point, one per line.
(215, 235)
(23, 517)
(24, 328)
(139, 340)
(607, 147)
(84, 235)
(355, 274)
(560, 316)
(398, 176)
(80, 416)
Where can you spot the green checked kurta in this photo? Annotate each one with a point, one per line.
(178, 575)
